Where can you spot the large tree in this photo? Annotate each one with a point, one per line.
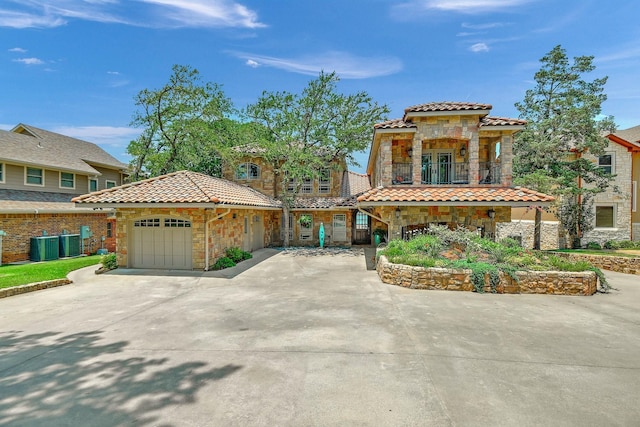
(185, 124)
(306, 133)
(564, 122)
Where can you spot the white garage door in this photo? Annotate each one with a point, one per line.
(162, 243)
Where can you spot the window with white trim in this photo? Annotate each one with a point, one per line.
(176, 223)
(34, 176)
(110, 184)
(324, 181)
(307, 186)
(605, 216)
(93, 185)
(606, 162)
(290, 227)
(248, 171)
(67, 180)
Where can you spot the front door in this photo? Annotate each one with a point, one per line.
(362, 227)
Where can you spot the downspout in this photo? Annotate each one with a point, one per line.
(206, 237)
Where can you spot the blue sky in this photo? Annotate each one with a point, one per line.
(74, 66)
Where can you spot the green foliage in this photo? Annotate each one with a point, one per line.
(594, 246)
(224, 262)
(109, 261)
(311, 131)
(562, 113)
(185, 125)
(483, 257)
(237, 255)
(622, 244)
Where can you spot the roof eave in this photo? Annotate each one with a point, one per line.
(454, 203)
(515, 128)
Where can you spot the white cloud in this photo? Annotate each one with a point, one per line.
(29, 61)
(113, 73)
(18, 50)
(479, 47)
(148, 13)
(114, 136)
(251, 63)
(208, 13)
(459, 6)
(482, 26)
(5, 126)
(347, 66)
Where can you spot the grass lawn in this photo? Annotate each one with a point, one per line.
(14, 275)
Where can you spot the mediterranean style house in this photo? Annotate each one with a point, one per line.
(442, 163)
(616, 214)
(40, 172)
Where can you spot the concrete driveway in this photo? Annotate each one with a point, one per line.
(307, 340)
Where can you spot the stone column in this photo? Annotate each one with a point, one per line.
(506, 160)
(416, 159)
(386, 162)
(474, 147)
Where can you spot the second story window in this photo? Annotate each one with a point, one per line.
(605, 162)
(324, 181)
(248, 171)
(307, 186)
(93, 185)
(110, 184)
(34, 176)
(67, 180)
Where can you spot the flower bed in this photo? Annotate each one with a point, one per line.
(528, 282)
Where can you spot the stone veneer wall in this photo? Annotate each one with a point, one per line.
(525, 230)
(529, 282)
(606, 262)
(21, 227)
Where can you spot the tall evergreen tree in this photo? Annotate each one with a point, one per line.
(564, 122)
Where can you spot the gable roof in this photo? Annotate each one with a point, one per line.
(447, 106)
(459, 196)
(182, 187)
(30, 145)
(631, 137)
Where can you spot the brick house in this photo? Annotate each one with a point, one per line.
(40, 172)
(444, 163)
(616, 214)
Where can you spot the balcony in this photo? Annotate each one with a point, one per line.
(490, 173)
(402, 173)
(445, 173)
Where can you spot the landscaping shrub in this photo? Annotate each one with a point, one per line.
(461, 248)
(224, 262)
(237, 255)
(109, 262)
(594, 246)
(612, 244)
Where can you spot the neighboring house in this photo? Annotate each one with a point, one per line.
(444, 163)
(616, 215)
(40, 172)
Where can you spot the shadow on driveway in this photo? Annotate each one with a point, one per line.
(50, 379)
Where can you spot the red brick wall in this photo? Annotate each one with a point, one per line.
(21, 227)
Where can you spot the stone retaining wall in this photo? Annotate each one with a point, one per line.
(607, 262)
(23, 289)
(529, 282)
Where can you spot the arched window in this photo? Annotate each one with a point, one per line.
(248, 171)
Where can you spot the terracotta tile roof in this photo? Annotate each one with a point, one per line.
(394, 124)
(501, 121)
(323, 202)
(354, 184)
(181, 187)
(40, 147)
(453, 195)
(447, 106)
